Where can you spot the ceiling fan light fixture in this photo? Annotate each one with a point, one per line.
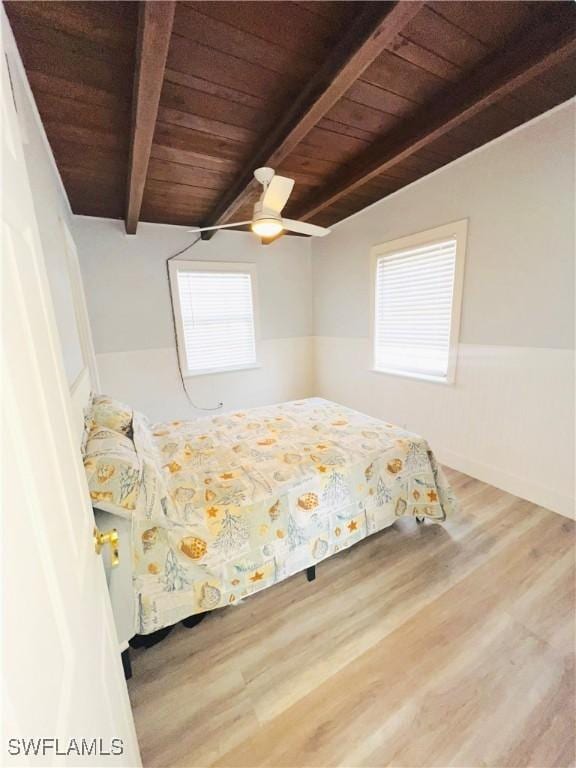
(267, 227)
(267, 220)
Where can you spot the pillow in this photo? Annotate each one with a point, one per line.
(107, 412)
(88, 427)
(113, 470)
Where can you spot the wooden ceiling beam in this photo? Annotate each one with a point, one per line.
(369, 36)
(154, 30)
(550, 41)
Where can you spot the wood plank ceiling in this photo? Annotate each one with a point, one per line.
(158, 119)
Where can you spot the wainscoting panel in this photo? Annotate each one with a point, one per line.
(148, 379)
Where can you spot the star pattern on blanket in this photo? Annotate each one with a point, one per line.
(257, 576)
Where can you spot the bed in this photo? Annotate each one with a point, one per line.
(221, 507)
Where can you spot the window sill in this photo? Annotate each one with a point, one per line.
(212, 371)
(419, 376)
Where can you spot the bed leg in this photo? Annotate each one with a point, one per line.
(420, 520)
(126, 664)
(192, 621)
(311, 573)
(147, 641)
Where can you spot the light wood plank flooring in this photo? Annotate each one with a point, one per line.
(433, 645)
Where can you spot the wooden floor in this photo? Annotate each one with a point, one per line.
(433, 645)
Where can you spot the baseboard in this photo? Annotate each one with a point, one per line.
(518, 486)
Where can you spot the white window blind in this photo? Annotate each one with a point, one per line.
(413, 309)
(217, 320)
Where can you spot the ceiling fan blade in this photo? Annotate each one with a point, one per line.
(277, 193)
(270, 240)
(303, 228)
(221, 226)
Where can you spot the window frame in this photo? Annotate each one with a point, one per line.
(187, 265)
(457, 230)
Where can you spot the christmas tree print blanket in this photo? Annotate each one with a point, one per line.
(231, 504)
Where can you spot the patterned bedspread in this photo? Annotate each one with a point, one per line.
(233, 503)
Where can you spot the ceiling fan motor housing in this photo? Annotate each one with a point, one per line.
(266, 222)
(265, 213)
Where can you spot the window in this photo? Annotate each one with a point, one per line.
(214, 312)
(417, 296)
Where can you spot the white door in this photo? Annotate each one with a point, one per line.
(65, 700)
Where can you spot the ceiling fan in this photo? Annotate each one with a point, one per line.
(267, 221)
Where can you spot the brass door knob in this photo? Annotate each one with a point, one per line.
(110, 537)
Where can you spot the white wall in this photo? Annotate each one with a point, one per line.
(52, 212)
(129, 306)
(509, 418)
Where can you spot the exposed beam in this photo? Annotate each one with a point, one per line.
(372, 32)
(546, 44)
(154, 30)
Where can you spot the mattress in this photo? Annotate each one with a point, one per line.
(231, 504)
